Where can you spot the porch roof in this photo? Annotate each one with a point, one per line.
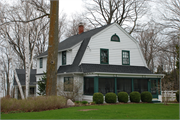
(100, 68)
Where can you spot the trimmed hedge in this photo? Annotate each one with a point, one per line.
(98, 98)
(146, 97)
(123, 97)
(110, 97)
(177, 95)
(135, 96)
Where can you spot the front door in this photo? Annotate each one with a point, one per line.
(154, 88)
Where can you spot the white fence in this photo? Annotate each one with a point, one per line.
(169, 95)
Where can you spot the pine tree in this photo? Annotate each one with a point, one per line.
(42, 85)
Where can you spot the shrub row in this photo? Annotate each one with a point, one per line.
(123, 97)
(39, 103)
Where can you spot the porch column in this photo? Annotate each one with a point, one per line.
(132, 85)
(115, 80)
(149, 85)
(160, 86)
(96, 80)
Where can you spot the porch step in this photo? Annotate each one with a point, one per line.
(155, 100)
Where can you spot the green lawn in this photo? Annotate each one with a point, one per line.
(119, 111)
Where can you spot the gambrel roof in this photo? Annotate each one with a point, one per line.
(72, 41)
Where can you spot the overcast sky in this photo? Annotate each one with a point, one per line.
(66, 6)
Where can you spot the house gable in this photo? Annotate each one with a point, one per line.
(102, 40)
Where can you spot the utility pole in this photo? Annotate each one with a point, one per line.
(51, 84)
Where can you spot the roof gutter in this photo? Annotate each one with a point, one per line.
(130, 74)
(69, 73)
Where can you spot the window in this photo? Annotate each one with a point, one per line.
(64, 58)
(31, 91)
(106, 85)
(41, 63)
(104, 56)
(124, 85)
(68, 84)
(115, 38)
(140, 85)
(88, 86)
(125, 57)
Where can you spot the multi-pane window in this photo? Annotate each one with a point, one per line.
(31, 90)
(124, 85)
(104, 56)
(88, 86)
(64, 58)
(106, 85)
(41, 63)
(68, 84)
(125, 57)
(140, 85)
(115, 38)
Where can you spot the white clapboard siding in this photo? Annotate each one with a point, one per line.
(43, 69)
(103, 40)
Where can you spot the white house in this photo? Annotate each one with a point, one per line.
(32, 85)
(105, 59)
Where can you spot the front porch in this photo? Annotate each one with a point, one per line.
(93, 84)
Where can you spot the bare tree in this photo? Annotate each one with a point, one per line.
(149, 41)
(124, 12)
(72, 26)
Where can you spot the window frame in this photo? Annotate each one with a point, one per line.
(64, 62)
(115, 40)
(101, 56)
(68, 83)
(41, 63)
(128, 56)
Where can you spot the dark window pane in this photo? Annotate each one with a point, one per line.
(31, 90)
(68, 84)
(88, 86)
(140, 85)
(125, 58)
(104, 56)
(115, 38)
(41, 63)
(64, 58)
(106, 85)
(124, 84)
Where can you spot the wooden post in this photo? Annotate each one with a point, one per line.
(51, 84)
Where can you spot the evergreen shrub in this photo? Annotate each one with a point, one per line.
(98, 98)
(135, 96)
(123, 97)
(146, 97)
(110, 97)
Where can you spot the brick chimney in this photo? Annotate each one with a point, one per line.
(81, 28)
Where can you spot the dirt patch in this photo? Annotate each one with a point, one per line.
(87, 109)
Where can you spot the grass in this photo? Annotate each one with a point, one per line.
(118, 111)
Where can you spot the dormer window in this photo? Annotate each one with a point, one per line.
(104, 56)
(125, 57)
(115, 38)
(64, 58)
(41, 63)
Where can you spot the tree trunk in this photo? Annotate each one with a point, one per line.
(13, 67)
(26, 45)
(51, 84)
